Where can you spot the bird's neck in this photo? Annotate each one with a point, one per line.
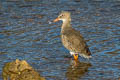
(66, 24)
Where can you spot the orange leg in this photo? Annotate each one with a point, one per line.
(75, 56)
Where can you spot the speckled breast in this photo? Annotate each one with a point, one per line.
(66, 43)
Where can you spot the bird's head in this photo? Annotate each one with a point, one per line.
(64, 16)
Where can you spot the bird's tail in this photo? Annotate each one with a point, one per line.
(85, 56)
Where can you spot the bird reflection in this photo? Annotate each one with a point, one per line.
(77, 69)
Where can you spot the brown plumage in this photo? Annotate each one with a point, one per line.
(71, 38)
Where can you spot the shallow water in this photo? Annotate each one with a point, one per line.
(25, 33)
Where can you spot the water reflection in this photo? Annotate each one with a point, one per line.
(77, 69)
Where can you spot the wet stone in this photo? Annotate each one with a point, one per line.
(20, 70)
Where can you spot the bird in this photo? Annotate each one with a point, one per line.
(71, 38)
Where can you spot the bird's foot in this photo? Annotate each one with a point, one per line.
(75, 56)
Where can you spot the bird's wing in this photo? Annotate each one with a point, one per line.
(77, 42)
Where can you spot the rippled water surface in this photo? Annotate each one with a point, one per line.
(25, 33)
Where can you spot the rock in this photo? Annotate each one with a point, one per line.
(29, 75)
(20, 70)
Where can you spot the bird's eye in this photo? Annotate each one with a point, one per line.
(61, 15)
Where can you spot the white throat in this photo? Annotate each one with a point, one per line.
(64, 20)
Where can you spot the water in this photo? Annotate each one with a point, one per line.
(25, 33)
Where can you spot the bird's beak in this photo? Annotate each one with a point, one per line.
(55, 20)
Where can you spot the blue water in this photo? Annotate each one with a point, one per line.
(25, 33)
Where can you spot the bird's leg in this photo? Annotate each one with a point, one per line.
(75, 56)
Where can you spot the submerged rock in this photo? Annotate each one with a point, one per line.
(20, 70)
